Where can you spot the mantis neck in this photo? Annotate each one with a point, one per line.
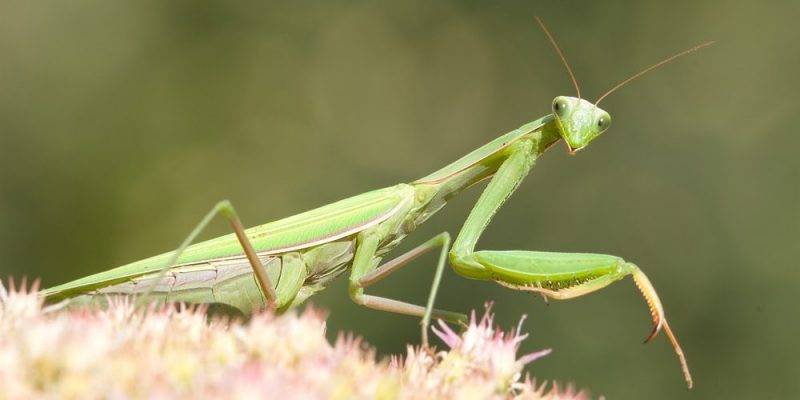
(435, 190)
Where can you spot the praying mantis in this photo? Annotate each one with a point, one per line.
(280, 264)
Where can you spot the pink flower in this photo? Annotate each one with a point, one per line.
(174, 351)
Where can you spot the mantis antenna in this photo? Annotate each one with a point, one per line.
(652, 67)
(560, 54)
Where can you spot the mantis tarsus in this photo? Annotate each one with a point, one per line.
(280, 264)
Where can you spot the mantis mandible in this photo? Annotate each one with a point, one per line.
(280, 264)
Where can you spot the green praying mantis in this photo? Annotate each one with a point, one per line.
(280, 264)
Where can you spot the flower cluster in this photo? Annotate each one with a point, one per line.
(178, 352)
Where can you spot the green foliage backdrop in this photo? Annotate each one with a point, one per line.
(122, 123)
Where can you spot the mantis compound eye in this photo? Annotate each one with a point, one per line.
(603, 122)
(559, 106)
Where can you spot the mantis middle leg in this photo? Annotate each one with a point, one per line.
(362, 276)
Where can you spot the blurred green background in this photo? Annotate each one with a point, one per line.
(121, 123)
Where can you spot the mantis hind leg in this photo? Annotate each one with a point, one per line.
(358, 283)
(225, 208)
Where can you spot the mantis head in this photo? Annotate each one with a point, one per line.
(579, 121)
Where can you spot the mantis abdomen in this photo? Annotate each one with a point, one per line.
(230, 284)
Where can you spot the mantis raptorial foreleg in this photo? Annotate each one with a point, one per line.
(589, 272)
(556, 275)
(369, 278)
(507, 178)
(225, 208)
